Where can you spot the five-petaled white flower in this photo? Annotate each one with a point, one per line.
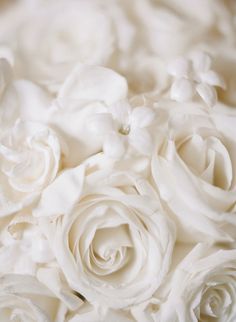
(123, 127)
(194, 76)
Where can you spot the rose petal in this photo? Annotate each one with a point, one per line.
(60, 196)
(212, 78)
(142, 117)
(182, 90)
(100, 123)
(179, 67)
(51, 278)
(114, 146)
(120, 112)
(141, 140)
(201, 62)
(5, 74)
(94, 83)
(207, 93)
(33, 102)
(7, 53)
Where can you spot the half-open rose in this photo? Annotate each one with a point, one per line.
(203, 288)
(194, 171)
(67, 35)
(115, 245)
(30, 156)
(24, 299)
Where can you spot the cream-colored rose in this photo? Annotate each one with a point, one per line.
(169, 27)
(108, 234)
(22, 245)
(67, 34)
(194, 171)
(24, 299)
(203, 288)
(25, 251)
(30, 155)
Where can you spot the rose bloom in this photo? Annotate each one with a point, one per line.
(203, 288)
(168, 28)
(24, 299)
(67, 34)
(114, 245)
(194, 171)
(30, 155)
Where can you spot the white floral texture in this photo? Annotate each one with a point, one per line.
(104, 113)
(30, 156)
(194, 171)
(5, 75)
(68, 35)
(194, 76)
(24, 299)
(22, 245)
(63, 40)
(20, 99)
(87, 90)
(112, 248)
(112, 165)
(203, 288)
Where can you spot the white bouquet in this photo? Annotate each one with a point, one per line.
(117, 161)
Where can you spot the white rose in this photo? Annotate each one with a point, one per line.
(114, 245)
(30, 155)
(24, 250)
(24, 299)
(194, 171)
(203, 288)
(22, 245)
(67, 34)
(169, 27)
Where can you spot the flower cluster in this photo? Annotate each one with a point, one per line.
(117, 161)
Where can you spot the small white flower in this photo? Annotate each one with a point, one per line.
(124, 126)
(194, 171)
(194, 76)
